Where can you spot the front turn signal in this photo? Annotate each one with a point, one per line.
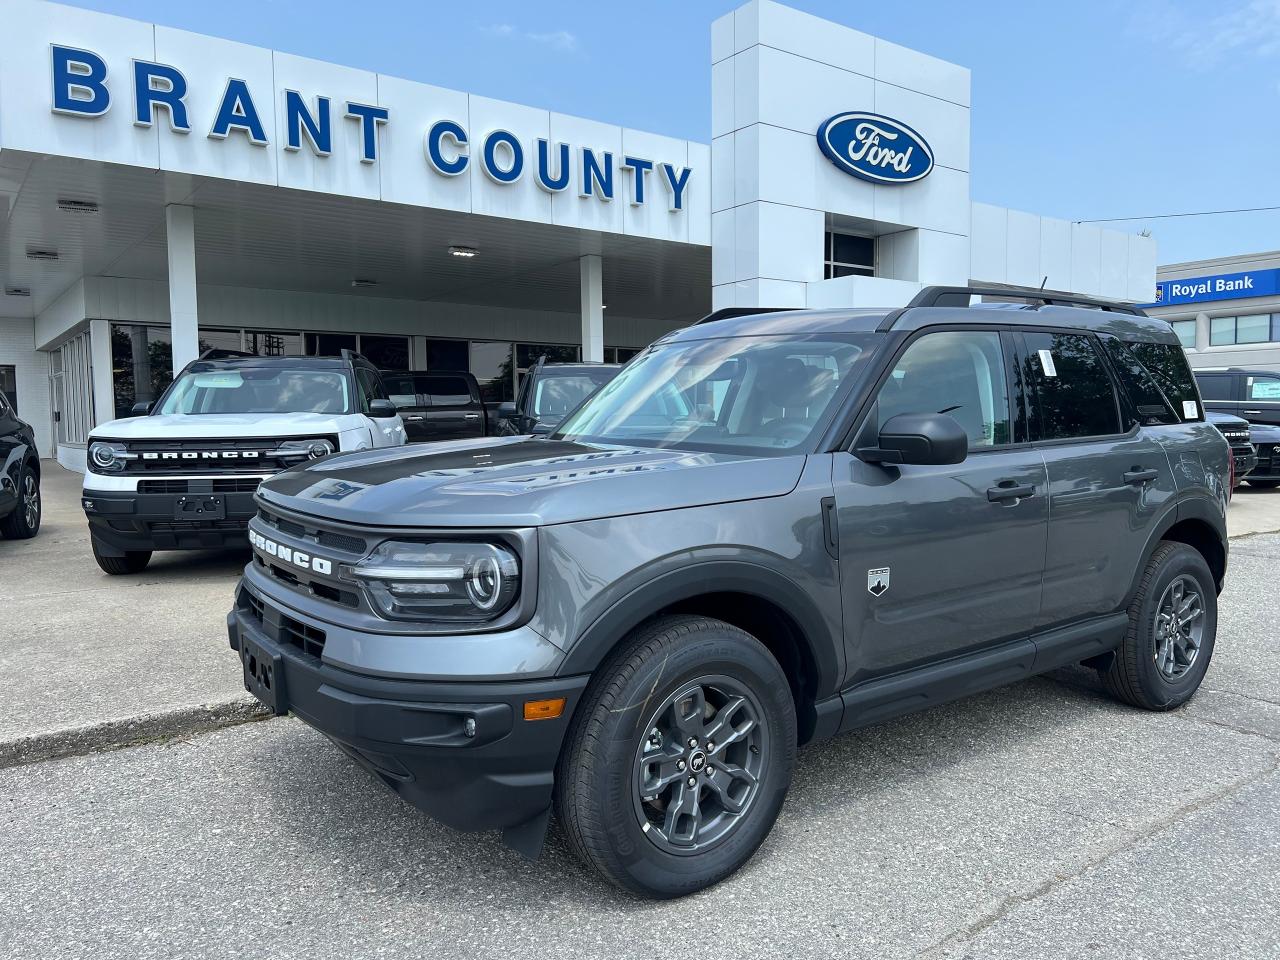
(543, 709)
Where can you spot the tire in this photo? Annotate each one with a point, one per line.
(611, 747)
(1262, 484)
(1147, 672)
(24, 522)
(134, 561)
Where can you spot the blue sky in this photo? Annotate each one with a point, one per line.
(1081, 110)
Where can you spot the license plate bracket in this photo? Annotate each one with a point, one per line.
(263, 675)
(200, 507)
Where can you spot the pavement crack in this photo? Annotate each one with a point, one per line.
(1013, 901)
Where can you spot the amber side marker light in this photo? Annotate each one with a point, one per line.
(543, 709)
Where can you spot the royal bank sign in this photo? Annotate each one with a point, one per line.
(157, 93)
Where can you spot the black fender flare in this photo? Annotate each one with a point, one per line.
(1180, 509)
(627, 612)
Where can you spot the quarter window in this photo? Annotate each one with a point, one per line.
(1145, 397)
(960, 373)
(1075, 393)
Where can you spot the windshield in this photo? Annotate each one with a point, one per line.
(555, 394)
(751, 395)
(258, 390)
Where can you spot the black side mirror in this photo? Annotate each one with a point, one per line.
(921, 438)
(381, 409)
(142, 408)
(507, 411)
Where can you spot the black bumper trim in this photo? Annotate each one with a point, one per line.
(415, 736)
(127, 521)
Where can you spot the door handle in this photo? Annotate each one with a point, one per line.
(1254, 413)
(1010, 490)
(414, 419)
(471, 416)
(1137, 478)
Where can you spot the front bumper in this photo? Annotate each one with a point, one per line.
(461, 751)
(1245, 460)
(126, 520)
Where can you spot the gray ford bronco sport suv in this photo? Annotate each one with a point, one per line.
(765, 531)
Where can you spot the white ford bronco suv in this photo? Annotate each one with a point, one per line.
(182, 473)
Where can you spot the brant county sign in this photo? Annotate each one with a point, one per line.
(875, 148)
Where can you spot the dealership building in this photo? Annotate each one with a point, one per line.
(1226, 311)
(164, 192)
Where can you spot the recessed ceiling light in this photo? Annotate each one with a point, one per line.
(17, 291)
(364, 282)
(78, 206)
(463, 251)
(35, 253)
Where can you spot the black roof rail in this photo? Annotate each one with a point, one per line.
(959, 297)
(728, 313)
(351, 356)
(222, 353)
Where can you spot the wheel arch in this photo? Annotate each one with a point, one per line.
(1195, 523)
(753, 598)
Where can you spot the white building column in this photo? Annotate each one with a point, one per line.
(592, 308)
(180, 228)
(102, 376)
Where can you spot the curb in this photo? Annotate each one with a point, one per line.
(130, 732)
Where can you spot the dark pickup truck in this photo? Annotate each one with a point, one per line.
(437, 405)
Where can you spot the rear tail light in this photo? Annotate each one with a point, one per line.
(1231, 475)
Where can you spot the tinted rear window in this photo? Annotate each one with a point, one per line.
(1146, 400)
(1168, 366)
(1074, 390)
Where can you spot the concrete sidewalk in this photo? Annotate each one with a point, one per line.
(88, 660)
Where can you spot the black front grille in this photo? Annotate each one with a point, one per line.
(216, 485)
(299, 580)
(326, 538)
(1268, 459)
(236, 455)
(186, 526)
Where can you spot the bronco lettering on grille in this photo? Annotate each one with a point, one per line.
(202, 454)
(288, 555)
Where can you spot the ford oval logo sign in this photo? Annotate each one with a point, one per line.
(875, 148)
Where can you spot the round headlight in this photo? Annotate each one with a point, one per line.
(106, 456)
(319, 448)
(103, 455)
(484, 583)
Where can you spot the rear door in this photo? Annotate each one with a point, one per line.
(452, 407)
(1108, 476)
(1261, 402)
(938, 560)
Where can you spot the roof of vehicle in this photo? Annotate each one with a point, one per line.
(290, 363)
(427, 373)
(570, 367)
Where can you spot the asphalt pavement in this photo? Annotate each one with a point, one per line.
(1039, 820)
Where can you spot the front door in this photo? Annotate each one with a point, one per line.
(938, 560)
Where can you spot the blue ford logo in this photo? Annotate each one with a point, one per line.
(875, 148)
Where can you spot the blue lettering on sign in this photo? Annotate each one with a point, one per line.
(875, 148)
(676, 183)
(553, 184)
(640, 170)
(1223, 286)
(79, 83)
(370, 117)
(597, 178)
(79, 89)
(158, 85)
(299, 120)
(237, 112)
(489, 159)
(435, 144)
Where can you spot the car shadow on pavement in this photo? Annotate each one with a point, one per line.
(325, 801)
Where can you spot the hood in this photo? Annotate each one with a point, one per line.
(521, 482)
(1264, 433)
(220, 426)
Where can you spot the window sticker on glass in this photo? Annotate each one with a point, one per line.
(1189, 410)
(1265, 390)
(1046, 363)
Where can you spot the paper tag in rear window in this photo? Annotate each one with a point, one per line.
(1046, 364)
(1190, 410)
